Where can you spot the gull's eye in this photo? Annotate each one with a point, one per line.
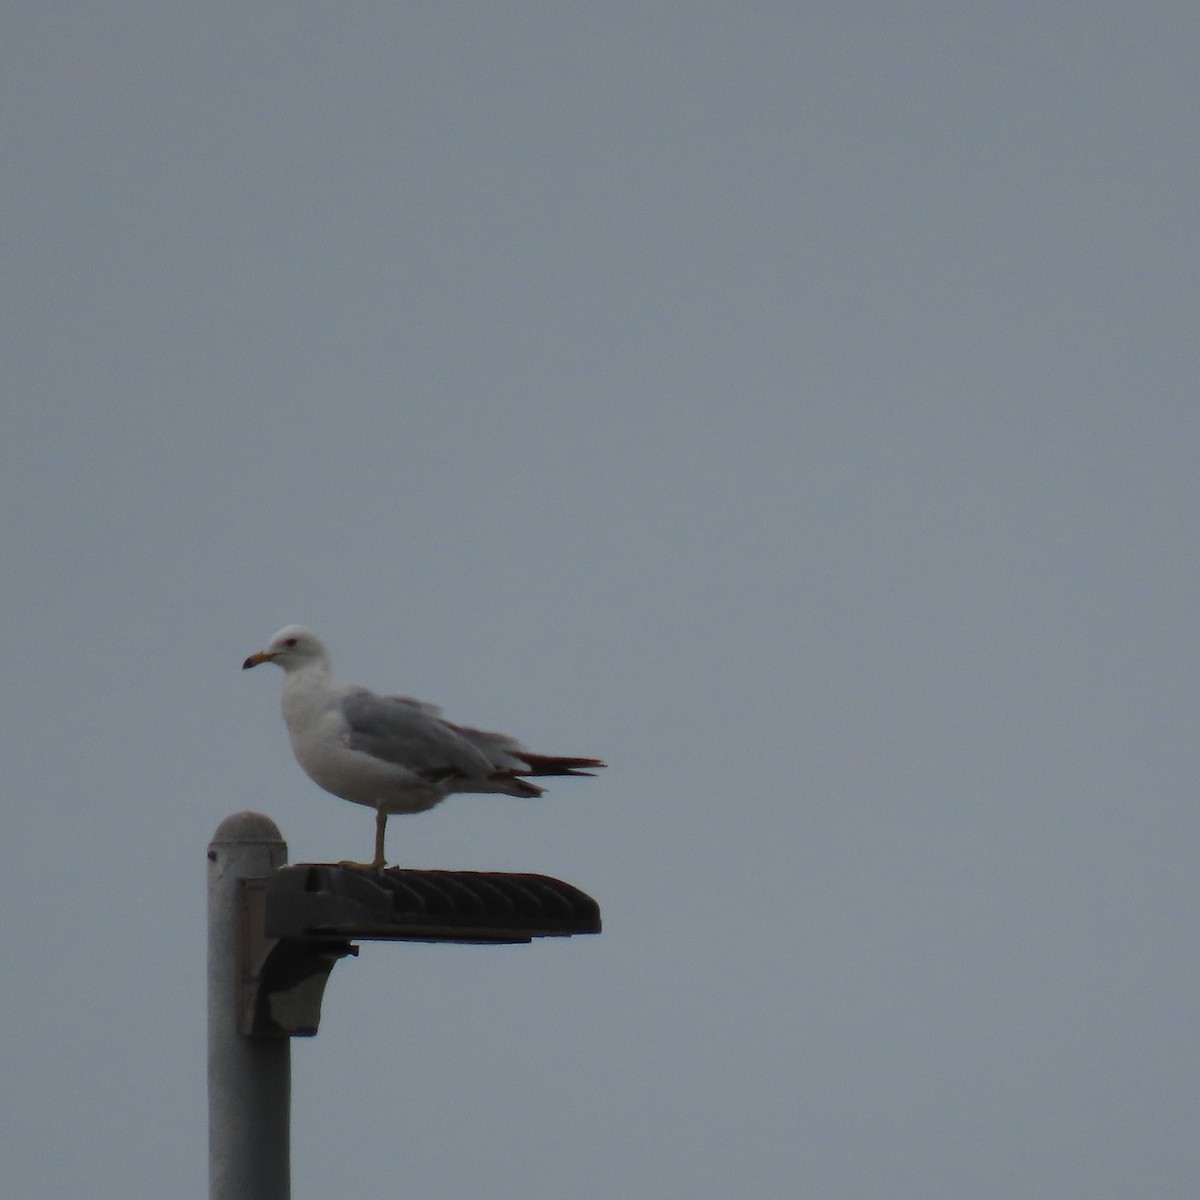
(289, 641)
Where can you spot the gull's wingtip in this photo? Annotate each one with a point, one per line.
(552, 764)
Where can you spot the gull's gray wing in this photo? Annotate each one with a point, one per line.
(410, 734)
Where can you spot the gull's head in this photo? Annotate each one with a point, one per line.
(291, 648)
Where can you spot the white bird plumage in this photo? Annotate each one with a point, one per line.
(391, 753)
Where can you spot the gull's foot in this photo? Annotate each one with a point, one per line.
(357, 866)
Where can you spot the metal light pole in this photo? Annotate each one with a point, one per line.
(249, 1078)
(275, 933)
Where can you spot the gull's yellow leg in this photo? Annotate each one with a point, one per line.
(379, 861)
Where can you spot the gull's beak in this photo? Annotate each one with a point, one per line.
(261, 657)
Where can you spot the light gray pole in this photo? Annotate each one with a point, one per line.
(249, 1078)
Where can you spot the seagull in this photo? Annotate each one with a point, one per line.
(391, 753)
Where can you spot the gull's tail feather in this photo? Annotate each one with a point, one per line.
(516, 786)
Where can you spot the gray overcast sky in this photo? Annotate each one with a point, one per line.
(793, 404)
